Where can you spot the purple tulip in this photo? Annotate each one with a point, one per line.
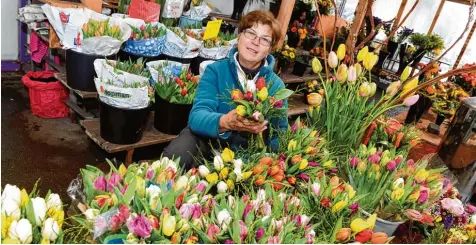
(278, 104)
(140, 226)
(411, 100)
(294, 128)
(100, 183)
(313, 164)
(248, 208)
(398, 160)
(259, 233)
(354, 207)
(150, 173)
(354, 161)
(113, 181)
(186, 211)
(423, 197)
(282, 157)
(374, 158)
(391, 165)
(256, 102)
(333, 171)
(303, 176)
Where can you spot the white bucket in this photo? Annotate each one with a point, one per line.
(385, 226)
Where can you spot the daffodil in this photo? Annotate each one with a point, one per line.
(224, 173)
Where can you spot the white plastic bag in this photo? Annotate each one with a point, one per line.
(199, 12)
(111, 90)
(218, 53)
(173, 9)
(172, 68)
(176, 47)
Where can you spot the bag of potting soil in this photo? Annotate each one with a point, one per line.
(127, 98)
(173, 9)
(167, 67)
(180, 45)
(149, 47)
(217, 53)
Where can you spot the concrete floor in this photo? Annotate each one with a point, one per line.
(49, 150)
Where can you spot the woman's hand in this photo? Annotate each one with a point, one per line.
(232, 121)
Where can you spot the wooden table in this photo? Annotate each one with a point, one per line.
(150, 137)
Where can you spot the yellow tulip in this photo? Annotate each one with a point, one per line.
(303, 164)
(227, 155)
(370, 60)
(57, 215)
(212, 178)
(342, 73)
(358, 225)
(362, 166)
(358, 69)
(405, 74)
(341, 52)
(421, 175)
(414, 196)
(263, 94)
(409, 86)
(168, 225)
(6, 221)
(140, 186)
(371, 221)
(292, 145)
(24, 198)
(241, 110)
(224, 173)
(327, 164)
(314, 99)
(122, 170)
(397, 194)
(247, 175)
(339, 206)
(362, 53)
(309, 150)
(230, 184)
(313, 133)
(350, 190)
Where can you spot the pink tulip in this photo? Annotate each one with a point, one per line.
(201, 187)
(332, 60)
(256, 115)
(186, 211)
(312, 164)
(196, 211)
(245, 198)
(100, 183)
(316, 189)
(374, 158)
(398, 160)
(116, 222)
(212, 231)
(229, 241)
(248, 208)
(150, 173)
(124, 189)
(113, 181)
(411, 100)
(423, 197)
(351, 75)
(266, 209)
(124, 211)
(243, 230)
(391, 165)
(294, 128)
(140, 226)
(259, 233)
(275, 239)
(278, 104)
(410, 163)
(354, 161)
(354, 208)
(142, 27)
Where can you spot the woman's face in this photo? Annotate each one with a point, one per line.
(255, 50)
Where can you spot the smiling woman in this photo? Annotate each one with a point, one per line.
(213, 117)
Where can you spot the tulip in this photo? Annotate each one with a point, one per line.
(150, 173)
(370, 60)
(181, 182)
(222, 187)
(391, 165)
(100, 183)
(373, 89)
(168, 225)
(303, 164)
(314, 99)
(411, 100)
(473, 219)
(50, 229)
(153, 190)
(303, 176)
(413, 214)
(224, 219)
(21, 231)
(409, 86)
(350, 191)
(212, 231)
(113, 181)
(374, 158)
(241, 110)
(339, 206)
(354, 161)
(39, 207)
(334, 181)
(132, 239)
(363, 236)
(393, 88)
(279, 104)
(24, 198)
(316, 65)
(316, 189)
(236, 94)
(371, 221)
(405, 74)
(365, 89)
(421, 175)
(358, 225)
(203, 171)
(351, 75)
(423, 197)
(292, 145)
(332, 59)
(343, 235)
(327, 164)
(11, 209)
(12, 192)
(227, 156)
(397, 194)
(218, 163)
(341, 52)
(257, 116)
(259, 233)
(263, 94)
(362, 54)
(325, 202)
(398, 183)
(342, 73)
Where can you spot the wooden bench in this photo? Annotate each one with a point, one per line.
(75, 107)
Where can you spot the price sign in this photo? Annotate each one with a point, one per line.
(212, 30)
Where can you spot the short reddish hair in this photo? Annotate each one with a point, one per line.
(264, 18)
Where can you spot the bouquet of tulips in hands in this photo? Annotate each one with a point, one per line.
(257, 105)
(28, 218)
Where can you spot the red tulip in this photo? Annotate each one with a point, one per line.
(184, 92)
(249, 96)
(363, 236)
(261, 83)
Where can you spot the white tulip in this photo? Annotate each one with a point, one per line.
(11, 209)
(54, 201)
(224, 219)
(250, 86)
(261, 196)
(192, 199)
(11, 192)
(91, 214)
(218, 163)
(164, 162)
(305, 220)
(156, 165)
(192, 179)
(181, 183)
(237, 163)
(153, 190)
(398, 183)
(222, 187)
(231, 201)
(203, 170)
(50, 229)
(473, 219)
(21, 231)
(282, 196)
(39, 206)
(238, 174)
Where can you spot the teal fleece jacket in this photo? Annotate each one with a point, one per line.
(213, 99)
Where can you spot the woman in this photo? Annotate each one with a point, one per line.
(212, 118)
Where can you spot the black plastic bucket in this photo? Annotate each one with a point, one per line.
(124, 56)
(80, 71)
(299, 69)
(195, 64)
(122, 126)
(170, 118)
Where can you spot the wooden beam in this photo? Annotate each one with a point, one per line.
(284, 16)
(400, 13)
(468, 39)
(437, 15)
(360, 12)
(467, 2)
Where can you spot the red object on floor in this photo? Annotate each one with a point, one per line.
(46, 94)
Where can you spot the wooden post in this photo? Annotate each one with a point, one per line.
(468, 39)
(284, 16)
(360, 12)
(400, 13)
(437, 15)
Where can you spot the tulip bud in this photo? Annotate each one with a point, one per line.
(332, 59)
(218, 163)
(365, 89)
(393, 88)
(241, 110)
(303, 164)
(342, 73)
(50, 229)
(222, 187)
(409, 101)
(362, 54)
(257, 116)
(370, 60)
(354, 161)
(398, 183)
(391, 165)
(316, 65)
(343, 235)
(12, 192)
(11, 209)
(39, 207)
(409, 86)
(203, 170)
(21, 230)
(168, 225)
(358, 69)
(316, 189)
(341, 52)
(373, 89)
(352, 75)
(314, 99)
(358, 225)
(405, 74)
(181, 183)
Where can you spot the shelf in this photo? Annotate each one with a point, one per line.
(290, 78)
(296, 106)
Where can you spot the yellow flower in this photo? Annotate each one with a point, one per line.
(405, 74)
(140, 186)
(247, 175)
(303, 164)
(227, 155)
(9, 240)
(313, 133)
(362, 53)
(292, 145)
(168, 225)
(414, 196)
(6, 221)
(292, 55)
(212, 178)
(24, 198)
(57, 215)
(230, 184)
(224, 173)
(358, 69)
(122, 170)
(362, 166)
(371, 221)
(409, 86)
(314, 99)
(263, 94)
(328, 164)
(341, 51)
(285, 53)
(241, 110)
(350, 190)
(309, 150)
(358, 225)
(421, 175)
(370, 60)
(397, 194)
(339, 206)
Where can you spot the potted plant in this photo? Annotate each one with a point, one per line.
(312, 39)
(466, 81)
(173, 101)
(424, 44)
(293, 35)
(285, 58)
